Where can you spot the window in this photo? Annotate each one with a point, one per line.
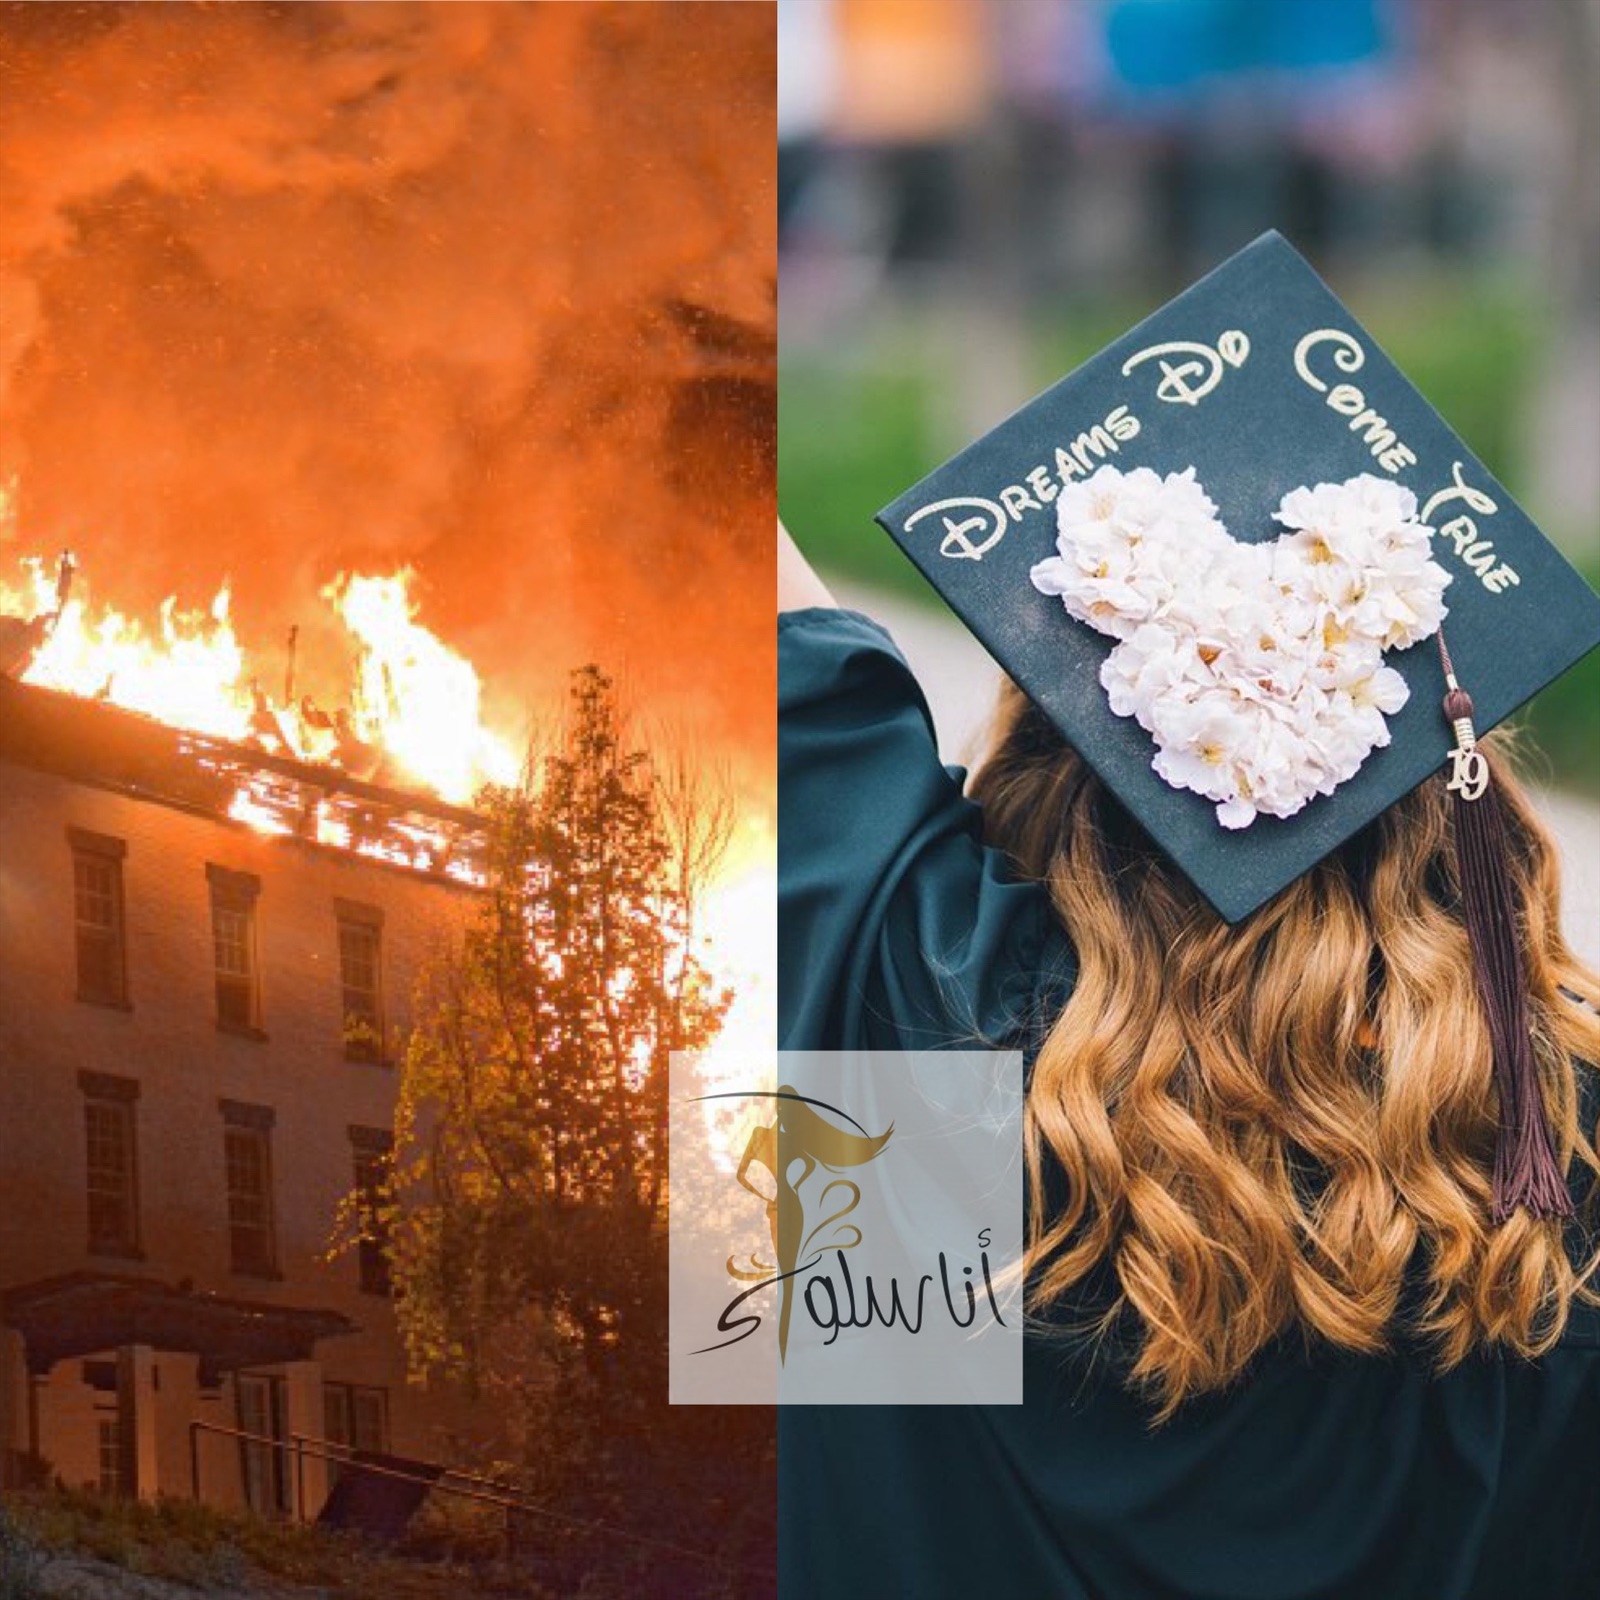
(247, 1146)
(356, 1418)
(233, 938)
(361, 979)
(97, 917)
(264, 1457)
(374, 1150)
(111, 1163)
(112, 1475)
(236, 983)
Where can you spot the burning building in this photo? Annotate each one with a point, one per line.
(207, 946)
(354, 304)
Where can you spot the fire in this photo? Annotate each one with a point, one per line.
(414, 718)
(188, 671)
(414, 696)
(244, 807)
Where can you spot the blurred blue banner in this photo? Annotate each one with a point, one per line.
(1166, 49)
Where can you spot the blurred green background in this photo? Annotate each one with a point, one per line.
(951, 248)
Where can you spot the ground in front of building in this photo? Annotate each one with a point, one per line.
(84, 1545)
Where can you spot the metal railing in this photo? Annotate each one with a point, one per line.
(447, 1481)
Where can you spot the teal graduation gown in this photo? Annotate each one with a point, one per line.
(1319, 1475)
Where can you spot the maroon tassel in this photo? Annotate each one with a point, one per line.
(1526, 1172)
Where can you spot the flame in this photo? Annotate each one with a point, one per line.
(244, 807)
(415, 716)
(414, 696)
(188, 671)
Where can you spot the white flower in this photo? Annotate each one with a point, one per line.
(1151, 665)
(1257, 669)
(1198, 741)
(1383, 689)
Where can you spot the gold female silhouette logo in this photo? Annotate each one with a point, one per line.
(797, 1143)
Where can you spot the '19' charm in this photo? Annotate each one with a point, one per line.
(1469, 772)
(1469, 767)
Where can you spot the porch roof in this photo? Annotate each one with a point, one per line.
(79, 1313)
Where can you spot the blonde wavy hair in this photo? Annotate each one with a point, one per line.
(1286, 1125)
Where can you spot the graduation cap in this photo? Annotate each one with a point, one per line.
(1222, 556)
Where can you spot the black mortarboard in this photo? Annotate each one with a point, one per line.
(1259, 382)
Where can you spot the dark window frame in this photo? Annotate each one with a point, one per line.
(372, 1150)
(344, 1433)
(111, 1102)
(238, 991)
(264, 1467)
(100, 947)
(361, 1003)
(111, 1456)
(250, 1127)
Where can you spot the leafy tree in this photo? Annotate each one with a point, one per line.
(525, 1219)
(523, 1216)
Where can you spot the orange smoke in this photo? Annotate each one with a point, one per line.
(484, 291)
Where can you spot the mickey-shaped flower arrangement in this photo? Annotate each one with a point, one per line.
(1256, 668)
